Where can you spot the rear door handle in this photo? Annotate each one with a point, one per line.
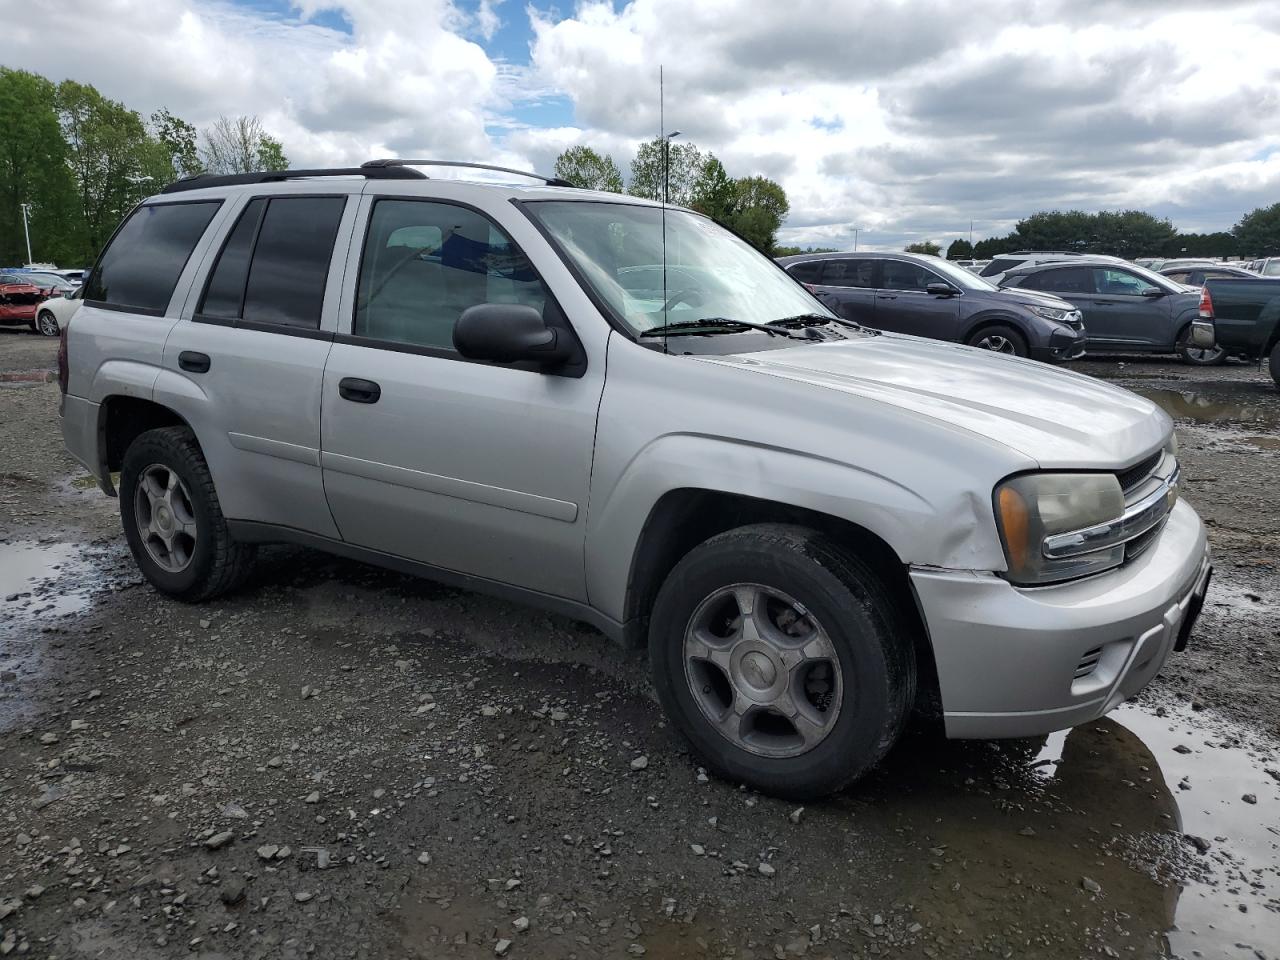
(359, 391)
(193, 362)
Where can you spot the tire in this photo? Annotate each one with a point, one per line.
(46, 324)
(1273, 364)
(194, 566)
(1199, 356)
(854, 695)
(999, 338)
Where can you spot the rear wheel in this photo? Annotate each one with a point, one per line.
(1199, 356)
(782, 659)
(173, 521)
(46, 324)
(1000, 339)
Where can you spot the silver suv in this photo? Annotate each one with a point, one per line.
(627, 415)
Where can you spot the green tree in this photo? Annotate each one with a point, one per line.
(759, 207)
(179, 139)
(115, 162)
(793, 251)
(960, 249)
(1129, 233)
(33, 170)
(584, 167)
(271, 154)
(994, 246)
(1258, 232)
(240, 145)
(714, 193)
(923, 246)
(648, 176)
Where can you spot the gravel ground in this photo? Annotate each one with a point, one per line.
(339, 761)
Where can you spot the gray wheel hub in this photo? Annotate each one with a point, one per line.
(996, 343)
(165, 518)
(762, 670)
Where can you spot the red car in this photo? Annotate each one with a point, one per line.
(19, 299)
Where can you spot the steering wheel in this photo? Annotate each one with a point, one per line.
(691, 297)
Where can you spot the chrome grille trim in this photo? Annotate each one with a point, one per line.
(1140, 516)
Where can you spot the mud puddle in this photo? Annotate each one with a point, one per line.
(1207, 409)
(1109, 820)
(44, 579)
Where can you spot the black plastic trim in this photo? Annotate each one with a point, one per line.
(253, 531)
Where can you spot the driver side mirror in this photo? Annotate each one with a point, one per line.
(509, 333)
(1152, 292)
(941, 290)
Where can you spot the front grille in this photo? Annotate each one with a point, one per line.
(1135, 475)
(1138, 545)
(1088, 663)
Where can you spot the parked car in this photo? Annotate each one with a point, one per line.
(43, 284)
(998, 267)
(1125, 307)
(1246, 318)
(1196, 276)
(1159, 266)
(930, 297)
(55, 282)
(811, 525)
(18, 300)
(1266, 267)
(52, 315)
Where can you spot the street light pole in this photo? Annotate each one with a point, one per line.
(855, 239)
(666, 164)
(26, 208)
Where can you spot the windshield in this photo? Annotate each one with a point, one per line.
(958, 275)
(710, 273)
(1272, 269)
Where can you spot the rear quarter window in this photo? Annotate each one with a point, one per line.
(141, 265)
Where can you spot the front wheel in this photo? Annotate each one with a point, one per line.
(46, 324)
(173, 521)
(1000, 339)
(782, 659)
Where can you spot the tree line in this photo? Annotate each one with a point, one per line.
(1128, 234)
(79, 161)
(751, 206)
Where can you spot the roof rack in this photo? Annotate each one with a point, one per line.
(1059, 253)
(200, 181)
(393, 163)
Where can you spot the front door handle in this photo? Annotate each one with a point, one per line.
(359, 391)
(193, 362)
(886, 296)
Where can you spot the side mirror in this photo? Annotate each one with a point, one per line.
(941, 290)
(1152, 292)
(509, 333)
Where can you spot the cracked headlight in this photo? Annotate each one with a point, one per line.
(1033, 507)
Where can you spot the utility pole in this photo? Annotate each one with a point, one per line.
(971, 237)
(855, 239)
(26, 209)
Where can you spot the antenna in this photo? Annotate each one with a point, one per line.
(666, 179)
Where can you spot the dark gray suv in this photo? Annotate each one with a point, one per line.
(929, 297)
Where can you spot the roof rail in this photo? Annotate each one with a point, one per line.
(393, 163)
(200, 181)
(1060, 253)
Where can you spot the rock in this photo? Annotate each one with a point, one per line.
(1200, 843)
(424, 858)
(501, 947)
(312, 797)
(1027, 832)
(232, 892)
(521, 924)
(639, 763)
(636, 950)
(698, 849)
(268, 851)
(766, 869)
(796, 814)
(235, 812)
(219, 840)
(302, 896)
(559, 716)
(78, 725)
(204, 624)
(1182, 748)
(33, 892)
(1250, 798)
(1093, 886)
(275, 762)
(8, 907)
(49, 739)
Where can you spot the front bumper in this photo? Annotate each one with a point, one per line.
(1065, 343)
(1018, 662)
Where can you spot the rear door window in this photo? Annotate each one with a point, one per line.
(900, 275)
(848, 273)
(808, 272)
(140, 267)
(275, 263)
(1078, 280)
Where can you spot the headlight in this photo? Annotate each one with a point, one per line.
(1038, 505)
(1050, 313)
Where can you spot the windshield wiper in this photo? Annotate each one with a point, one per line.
(818, 319)
(685, 327)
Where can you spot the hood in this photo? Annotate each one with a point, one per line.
(1057, 418)
(1033, 297)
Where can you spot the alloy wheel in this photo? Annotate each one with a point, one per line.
(165, 517)
(996, 343)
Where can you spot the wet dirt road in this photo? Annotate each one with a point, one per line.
(339, 761)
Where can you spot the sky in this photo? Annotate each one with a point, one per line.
(905, 119)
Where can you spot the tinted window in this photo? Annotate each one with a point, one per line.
(1118, 283)
(848, 273)
(998, 266)
(291, 261)
(900, 275)
(806, 272)
(424, 263)
(141, 266)
(1061, 280)
(1272, 269)
(1179, 276)
(225, 294)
